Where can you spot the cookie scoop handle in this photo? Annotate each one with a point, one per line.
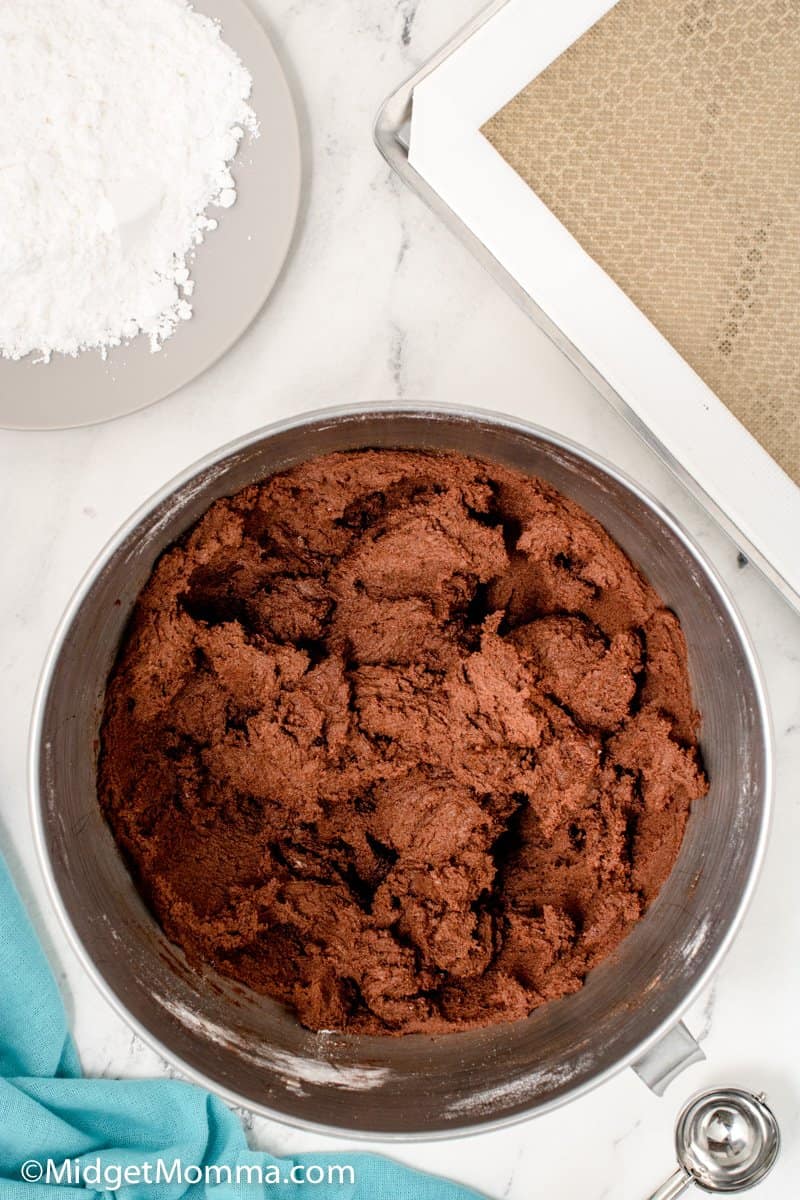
(675, 1186)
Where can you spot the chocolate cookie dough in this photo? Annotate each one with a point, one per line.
(401, 739)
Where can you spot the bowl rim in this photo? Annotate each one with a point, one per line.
(419, 410)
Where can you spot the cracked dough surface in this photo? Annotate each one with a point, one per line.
(401, 739)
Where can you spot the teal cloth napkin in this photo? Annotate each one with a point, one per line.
(48, 1111)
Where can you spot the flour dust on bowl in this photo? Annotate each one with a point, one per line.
(254, 1051)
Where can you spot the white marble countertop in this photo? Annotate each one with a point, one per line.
(378, 303)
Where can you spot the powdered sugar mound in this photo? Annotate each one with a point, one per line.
(118, 125)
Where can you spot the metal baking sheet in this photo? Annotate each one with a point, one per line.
(484, 65)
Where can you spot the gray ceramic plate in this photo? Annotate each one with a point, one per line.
(235, 269)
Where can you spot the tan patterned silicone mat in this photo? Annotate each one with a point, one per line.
(666, 141)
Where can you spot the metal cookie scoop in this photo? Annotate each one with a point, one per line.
(726, 1141)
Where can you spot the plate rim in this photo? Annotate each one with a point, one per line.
(292, 180)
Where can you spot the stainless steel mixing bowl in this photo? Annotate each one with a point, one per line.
(253, 1051)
